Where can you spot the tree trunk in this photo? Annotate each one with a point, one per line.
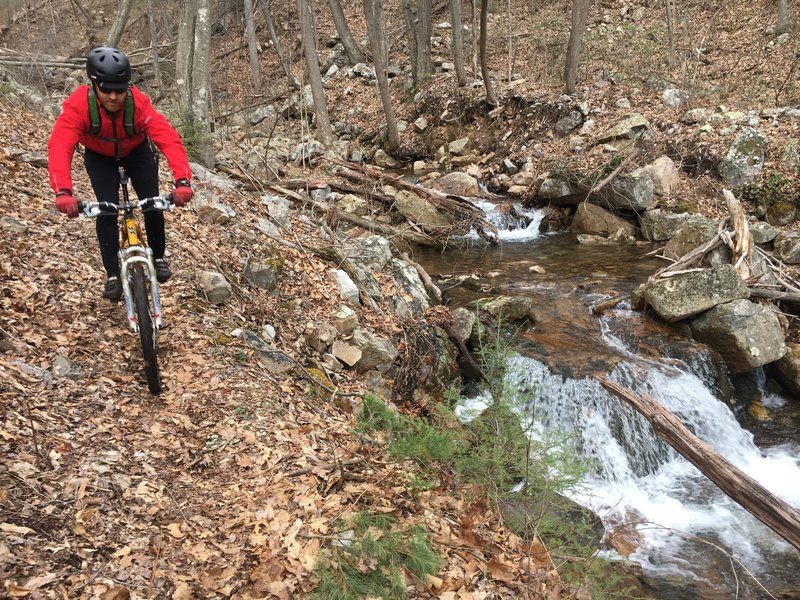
(151, 24)
(458, 41)
(487, 81)
(784, 24)
(377, 42)
(776, 514)
(120, 22)
(252, 44)
(321, 118)
(192, 72)
(671, 31)
(276, 44)
(423, 26)
(580, 14)
(354, 54)
(411, 32)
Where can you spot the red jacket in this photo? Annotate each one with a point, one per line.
(72, 128)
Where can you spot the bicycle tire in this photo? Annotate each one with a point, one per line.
(147, 332)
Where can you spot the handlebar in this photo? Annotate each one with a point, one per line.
(95, 209)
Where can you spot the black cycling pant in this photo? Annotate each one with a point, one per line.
(142, 169)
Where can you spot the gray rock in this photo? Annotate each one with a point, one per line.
(569, 122)
(12, 225)
(690, 294)
(789, 369)
(420, 211)
(762, 232)
(745, 334)
(214, 287)
(596, 220)
(460, 147)
(513, 308)
(787, 247)
(321, 337)
(64, 367)
(664, 175)
(344, 319)
(463, 322)
(659, 225)
(278, 207)
(629, 192)
(674, 98)
(413, 290)
(457, 183)
(631, 128)
(261, 274)
(371, 252)
(696, 115)
(375, 352)
(210, 210)
(744, 159)
(347, 289)
(694, 234)
(355, 205)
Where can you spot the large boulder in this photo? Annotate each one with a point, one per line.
(596, 220)
(690, 294)
(744, 159)
(694, 234)
(420, 211)
(457, 183)
(659, 225)
(413, 298)
(633, 192)
(787, 247)
(745, 334)
(788, 370)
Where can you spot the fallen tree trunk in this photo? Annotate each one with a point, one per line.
(776, 514)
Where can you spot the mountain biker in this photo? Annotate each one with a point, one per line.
(114, 143)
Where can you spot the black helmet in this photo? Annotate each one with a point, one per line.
(108, 68)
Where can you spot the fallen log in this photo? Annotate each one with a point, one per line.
(776, 514)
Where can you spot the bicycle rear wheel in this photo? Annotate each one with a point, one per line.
(147, 332)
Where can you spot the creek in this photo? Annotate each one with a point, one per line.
(691, 539)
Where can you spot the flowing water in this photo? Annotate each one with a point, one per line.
(687, 535)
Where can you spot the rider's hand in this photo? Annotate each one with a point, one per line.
(66, 203)
(182, 194)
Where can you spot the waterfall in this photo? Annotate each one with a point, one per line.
(640, 478)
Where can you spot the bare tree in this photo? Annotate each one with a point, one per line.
(671, 30)
(580, 14)
(192, 75)
(322, 120)
(354, 54)
(377, 42)
(458, 41)
(487, 80)
(418, 26)
(784, 24)
(120, 22)
(151, 24)
(276, 44)
(252, 44)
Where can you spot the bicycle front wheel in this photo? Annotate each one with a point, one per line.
(147, 331)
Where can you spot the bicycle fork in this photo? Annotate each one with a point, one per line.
(144, 255)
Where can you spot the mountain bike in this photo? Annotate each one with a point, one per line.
(137, 272)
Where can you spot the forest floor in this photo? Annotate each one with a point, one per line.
(233, 481)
